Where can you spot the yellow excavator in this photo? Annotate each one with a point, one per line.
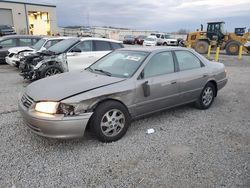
(216, 36)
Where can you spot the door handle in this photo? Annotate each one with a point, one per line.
(205, 75)
(146, 89)
(173, 82)
(90, 56)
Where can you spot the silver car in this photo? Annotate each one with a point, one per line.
(123, 85)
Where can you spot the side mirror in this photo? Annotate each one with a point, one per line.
(77, 50)
(146, 89)
(1, 47)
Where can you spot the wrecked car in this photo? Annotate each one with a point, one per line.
(68, 55)
(15, 54)
(123, 85)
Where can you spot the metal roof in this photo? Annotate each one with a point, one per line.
(27, 3)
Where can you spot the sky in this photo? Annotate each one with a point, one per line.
(158, 15)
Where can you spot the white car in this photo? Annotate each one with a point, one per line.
(69, 55)
(169, 41)
(165, 39)
(150, 41)
(14, 55)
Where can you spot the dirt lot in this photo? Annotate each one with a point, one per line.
(190, 148)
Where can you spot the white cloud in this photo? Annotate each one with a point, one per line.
(150, 14)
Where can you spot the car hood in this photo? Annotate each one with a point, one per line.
(65, 85)
(19, 49)
(146, 41)
(175, 40)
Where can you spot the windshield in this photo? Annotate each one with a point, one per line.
(167, 37)
(150, 39)
(63, 46)
(158, 35)
(122, 64)
(39, 44)
(222, 28)
(129, 37)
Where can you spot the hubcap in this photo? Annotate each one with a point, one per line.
(207, 96)
(51, 72)
(112, 122)
(233, 48)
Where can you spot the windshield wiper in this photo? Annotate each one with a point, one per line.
(103, 71)
(89, 68)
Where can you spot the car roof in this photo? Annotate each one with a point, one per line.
(102, 39)
(153, 49)
(19, 36)
(56, 37)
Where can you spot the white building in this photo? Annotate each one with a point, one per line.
(112, 33)
(29, 18)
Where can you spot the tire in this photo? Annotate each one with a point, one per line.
(50, 71)
(206, 97)
(232, 48)
(110, 121)
(201, 47)
(181, 43)
(165, 44)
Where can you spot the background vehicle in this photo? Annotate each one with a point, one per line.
(139, 40)
(11, 41)
(129, 39)
(165, 39)
(6, 30)
(216, 36)
(124, 85)
(15, 54)
(240, 31)
(168, 40)
(150, 41)
(68, 55)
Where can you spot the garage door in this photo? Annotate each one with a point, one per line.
(6, 17)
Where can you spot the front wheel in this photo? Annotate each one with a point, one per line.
(110, 121)
(50, 71)
(206, 97)
(201, 47)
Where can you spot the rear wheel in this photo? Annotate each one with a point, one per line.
(50, 71)
(110, 121)
(202, 47)
(206, 97)
(233, 48)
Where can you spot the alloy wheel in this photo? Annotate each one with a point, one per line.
(112, 122)
(52, 71)
(207, 96)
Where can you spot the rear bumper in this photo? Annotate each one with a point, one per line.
(54, 126)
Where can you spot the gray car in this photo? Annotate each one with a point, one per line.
(123, 85)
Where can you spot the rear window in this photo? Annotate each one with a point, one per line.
(187, 60)
(25, 42)
(102, 46)
(8, 43)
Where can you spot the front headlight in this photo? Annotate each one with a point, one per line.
(55, 108)
(62, 57)
(66, 109)
(47, 107)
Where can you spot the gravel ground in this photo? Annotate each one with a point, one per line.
(190, 147)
